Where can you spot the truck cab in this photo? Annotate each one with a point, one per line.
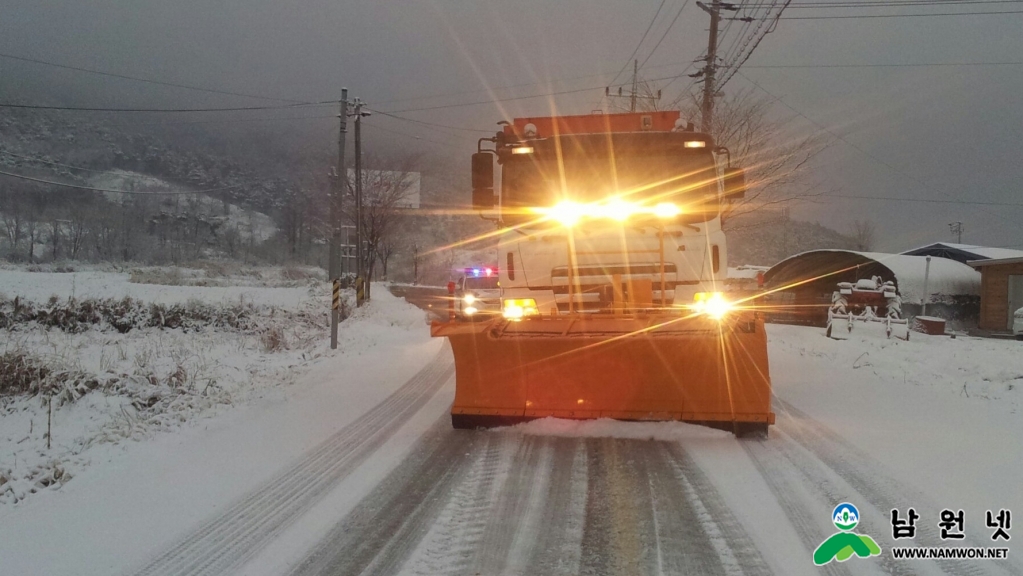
(607, 212)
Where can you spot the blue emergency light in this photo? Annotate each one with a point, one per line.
(478, 272)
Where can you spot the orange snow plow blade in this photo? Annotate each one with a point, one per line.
(690, 369)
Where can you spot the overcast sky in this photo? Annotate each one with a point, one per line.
(944, 132)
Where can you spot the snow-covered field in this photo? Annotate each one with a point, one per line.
(354, 469)
(105, 386)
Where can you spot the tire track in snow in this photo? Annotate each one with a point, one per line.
(383, 530)
(558, 544)
(867, 477)
(683, 543)
(453, 541)
(651, 510)
(821, 480)
(768, 461)
(510, 533)
(611, 544)
(247, 525)
(734, 547)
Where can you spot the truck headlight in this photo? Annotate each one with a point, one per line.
(712, 304)
(519, 308)
(469, 298)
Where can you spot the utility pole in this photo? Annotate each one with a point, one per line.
(634, 96)
(707, 121)
(635, 75)
(335, 222)
(957, 229)
(361, 286)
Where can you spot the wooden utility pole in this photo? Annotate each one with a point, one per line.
(340, 176)
(361, 286)
(635, 77)
(707, 120)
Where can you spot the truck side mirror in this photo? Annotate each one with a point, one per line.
(482, 181)
(735, 184)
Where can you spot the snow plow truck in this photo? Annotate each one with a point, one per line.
(612, 261)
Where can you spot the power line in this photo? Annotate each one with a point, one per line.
(164, 110)
(927, 200)
(911, 65)
(41, 161)
(658, 45)
(636, 50)
(425, 123)
(90, 188)
(145, 80)
(891, 3)
(407, 135)
(975, 204)
(861, 16)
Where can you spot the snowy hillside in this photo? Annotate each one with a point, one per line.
(766, 239)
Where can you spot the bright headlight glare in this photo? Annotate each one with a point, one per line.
(469, 298)
(712, 304)
(469, 311)
(666, 210)
(519, 308)
(569, 213)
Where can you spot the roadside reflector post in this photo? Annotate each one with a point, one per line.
(335, 312)
(451, 301)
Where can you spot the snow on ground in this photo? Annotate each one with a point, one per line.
(938, 420)
(930, 423)
(39, 286)
(941, 414)
(138, 496)
(109, 386)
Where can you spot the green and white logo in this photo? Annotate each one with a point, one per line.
(844, 544)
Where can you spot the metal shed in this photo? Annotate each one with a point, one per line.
(801, 286)
(964, 252)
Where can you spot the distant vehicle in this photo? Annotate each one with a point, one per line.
(1017, 324)
(478, 293)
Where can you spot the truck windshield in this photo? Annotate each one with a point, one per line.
(481, 283)
(687, 180)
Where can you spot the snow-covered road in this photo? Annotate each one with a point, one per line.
(363, 475)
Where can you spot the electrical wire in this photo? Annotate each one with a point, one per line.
(146, 80)
(53, 163)
(912, 65)
(658, 45)
(922, 184)
(864, 16)
(166, 110)
(92, 189)
(645, 32)
(425, 123)
(896, 3)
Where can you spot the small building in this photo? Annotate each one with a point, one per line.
(963, 252)
(1001, 292)
(800, 287)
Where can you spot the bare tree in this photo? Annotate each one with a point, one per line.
(864, 234)
(386, 190)
(776, 161)
(13, 213)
